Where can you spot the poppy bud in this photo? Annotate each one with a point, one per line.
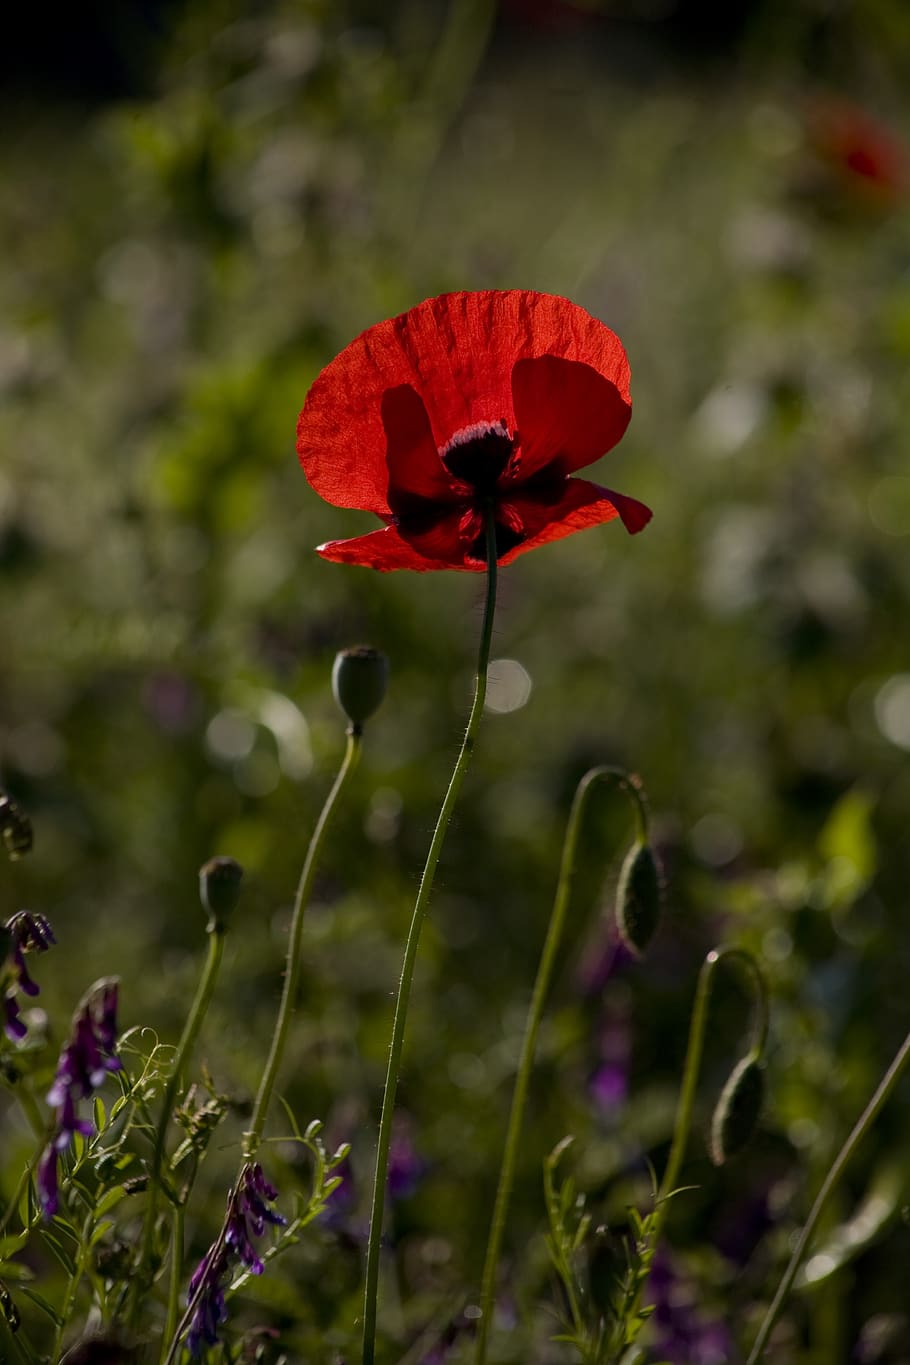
(736, 1116)
(638, 898)
(359, 680)
(16, 828)
(219, 890)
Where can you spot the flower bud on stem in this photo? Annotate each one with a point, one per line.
(219, 886)
(632, 788)
(693, 1061)
(253, 1137)
(360, 677)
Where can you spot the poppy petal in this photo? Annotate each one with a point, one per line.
(566, 411)
(457, 352)
(581, 504)
(414, 469)
(438, 548)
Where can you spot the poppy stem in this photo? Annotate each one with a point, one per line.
(145, 1271)
(253, 1137)
(371, 1291)
(693, 1062)
(692, 1067)
(861, 1128)
(535, 1013)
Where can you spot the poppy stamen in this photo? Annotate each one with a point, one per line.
(479, 454)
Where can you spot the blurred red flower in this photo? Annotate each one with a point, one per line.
(468, 400)
(859, 148)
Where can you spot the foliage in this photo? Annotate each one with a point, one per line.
(181, 263)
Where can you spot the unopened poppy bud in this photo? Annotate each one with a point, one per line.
(16, 828)
(738, 1109)
(359, 680)
(219, 889)
(638, 898)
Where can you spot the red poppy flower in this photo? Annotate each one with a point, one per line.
(859, 148)
(467, 401)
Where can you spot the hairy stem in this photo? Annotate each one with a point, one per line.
(410, 953)
(535, 1013)
(863, 1124)
(292, 970)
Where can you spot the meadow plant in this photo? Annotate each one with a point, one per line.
(461, 425)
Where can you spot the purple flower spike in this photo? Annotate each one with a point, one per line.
(210, 1310)
(248, 1212)
(24, 933)
(32, 932)
(13, 1026)
(83, 1064)
(406, 1166)
(249, 1216)
(47, 1182)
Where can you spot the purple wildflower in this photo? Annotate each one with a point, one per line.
(249, 1216)
(84, 1063)
(13, 1026)
(248, 1212)
(406, 1166)
(206, 1292)
(47, 1181)
(684, 1336)
(609, 1083)
(603, 959)
(24, 933)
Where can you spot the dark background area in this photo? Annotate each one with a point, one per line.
(202, 204)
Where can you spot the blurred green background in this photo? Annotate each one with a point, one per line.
(202, 203)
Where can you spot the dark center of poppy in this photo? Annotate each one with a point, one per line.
(479, 454)
(507, 537)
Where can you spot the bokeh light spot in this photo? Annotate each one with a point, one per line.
(508, 686)
(892, 710)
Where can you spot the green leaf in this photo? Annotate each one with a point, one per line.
(59, 1250)
(15, 1270)
(100, 1231)
(10, 1245)
(109, 1200)
(847, 844)
(41, 1302)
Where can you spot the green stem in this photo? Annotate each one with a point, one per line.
(288, 1004)
(193, 1300)
(532, 1027)
(693, 1063)
(204, 992)
(863, 1124)
(410, 953)
(692, 1068)
(176, 1277)
(69, 1296)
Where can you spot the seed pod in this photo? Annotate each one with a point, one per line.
(359, 680)
(738, 1109)
(219, 889)
(638, 898)
(16, 828)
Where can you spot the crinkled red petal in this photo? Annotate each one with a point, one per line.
(567, 412)
(413, 466)
(387, 549)
(457, 352)
(579, 505)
